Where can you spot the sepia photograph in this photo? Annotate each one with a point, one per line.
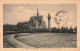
(39, 26)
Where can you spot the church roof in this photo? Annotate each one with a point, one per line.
(36, 18)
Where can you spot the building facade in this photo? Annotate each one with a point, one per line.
(37, 22)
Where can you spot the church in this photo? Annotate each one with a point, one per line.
(37, 22)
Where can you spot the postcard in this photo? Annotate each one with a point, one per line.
(39, 25)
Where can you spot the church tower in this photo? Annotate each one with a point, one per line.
(37, 12)
(49, 17)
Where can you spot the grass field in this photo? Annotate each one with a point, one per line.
(49, 40)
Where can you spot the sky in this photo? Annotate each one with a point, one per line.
(14, 13)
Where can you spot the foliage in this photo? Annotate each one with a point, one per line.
(22, 27)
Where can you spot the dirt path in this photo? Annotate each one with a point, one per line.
(17, 43)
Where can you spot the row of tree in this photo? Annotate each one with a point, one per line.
(21, 28)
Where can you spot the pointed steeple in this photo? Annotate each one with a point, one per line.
(37, 12)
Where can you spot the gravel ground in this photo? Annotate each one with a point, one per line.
(50, 40)
(6, 44)
(9, 41)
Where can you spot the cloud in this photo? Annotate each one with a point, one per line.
(23, 13)
(18, 8)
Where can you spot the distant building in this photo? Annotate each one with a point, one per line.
(37, 22)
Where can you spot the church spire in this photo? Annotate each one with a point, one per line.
(37, 12)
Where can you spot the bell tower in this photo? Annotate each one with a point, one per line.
(49, 17)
